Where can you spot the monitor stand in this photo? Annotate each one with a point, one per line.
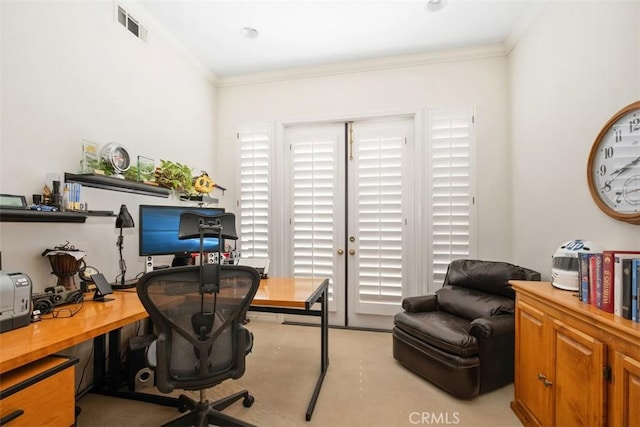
(182, 260)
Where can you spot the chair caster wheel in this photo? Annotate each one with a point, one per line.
(248, 401)
(183, 404)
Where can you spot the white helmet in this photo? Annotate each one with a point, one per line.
(564, 270)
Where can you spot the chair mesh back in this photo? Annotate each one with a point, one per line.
(199, 338)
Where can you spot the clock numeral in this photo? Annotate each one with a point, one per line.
(603, 170)
(618, 134)
(618, 197)
(608, 152)
(634, 124)
(606, 187)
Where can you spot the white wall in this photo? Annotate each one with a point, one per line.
(478, 82)
(574, 68)
(69, 72)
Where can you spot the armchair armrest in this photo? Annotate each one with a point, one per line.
(420, 303)
(487, 327)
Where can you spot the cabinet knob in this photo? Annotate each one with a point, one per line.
(547, 383)
(541, 377)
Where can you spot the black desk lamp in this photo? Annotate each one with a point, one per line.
(124, 220)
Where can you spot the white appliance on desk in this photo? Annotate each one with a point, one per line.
(15, 300)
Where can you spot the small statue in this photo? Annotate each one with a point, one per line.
(46, 195)
(203, 184)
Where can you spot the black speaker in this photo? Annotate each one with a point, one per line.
(139, 376)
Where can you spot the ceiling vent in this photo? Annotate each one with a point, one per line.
(132, 24)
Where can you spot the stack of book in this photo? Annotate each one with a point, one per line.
(611, 281)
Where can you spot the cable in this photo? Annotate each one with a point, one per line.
(84, 369)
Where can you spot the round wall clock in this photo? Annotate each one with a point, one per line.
(613, 169)
(117, 156)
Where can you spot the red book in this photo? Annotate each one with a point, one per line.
(609, 287)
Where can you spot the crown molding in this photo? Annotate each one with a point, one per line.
(414, 60)
(523, 25)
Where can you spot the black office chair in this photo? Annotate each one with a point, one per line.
(198, 313)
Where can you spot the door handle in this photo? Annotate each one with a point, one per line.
(340, 252)
(352, 251)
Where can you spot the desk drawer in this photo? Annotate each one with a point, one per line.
(40, 393)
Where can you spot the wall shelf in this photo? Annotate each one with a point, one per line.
(116, 184)
(26, 215)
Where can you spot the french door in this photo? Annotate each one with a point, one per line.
(351, 213)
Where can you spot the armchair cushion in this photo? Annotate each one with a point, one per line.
(442, 330)
(472, 304)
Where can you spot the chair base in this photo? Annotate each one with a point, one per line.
(205, 413)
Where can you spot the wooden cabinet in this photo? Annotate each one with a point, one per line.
(627, 387)
(40, 393)
(575, 365)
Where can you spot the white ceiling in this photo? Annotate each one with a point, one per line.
(301, 33)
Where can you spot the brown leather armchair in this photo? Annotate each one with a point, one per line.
(462, 337)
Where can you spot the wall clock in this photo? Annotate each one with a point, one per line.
(117, 156)
(613, 169)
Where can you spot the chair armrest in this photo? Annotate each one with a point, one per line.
(420, 303)
(487, 327)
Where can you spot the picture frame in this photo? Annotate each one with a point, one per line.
(13, 201)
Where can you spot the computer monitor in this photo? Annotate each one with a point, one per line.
(158, 231)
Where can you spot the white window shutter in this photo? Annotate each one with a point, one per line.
(314, 199)
(379, 216)
(254, 171)
(450, 147)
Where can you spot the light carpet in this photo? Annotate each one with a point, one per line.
(364, 386)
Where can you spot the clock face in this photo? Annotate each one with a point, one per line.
(117, 156)
(614, 165)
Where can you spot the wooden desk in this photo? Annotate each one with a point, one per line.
(24, 345)
(48, 336)
(289, 292)
(29, 375)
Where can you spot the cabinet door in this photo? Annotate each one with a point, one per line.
(531, 349)
(627, 391)
(577, 377)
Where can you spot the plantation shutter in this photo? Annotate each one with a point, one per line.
(378, 215)
(450, 144)
(314, 200)
(254, 193)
